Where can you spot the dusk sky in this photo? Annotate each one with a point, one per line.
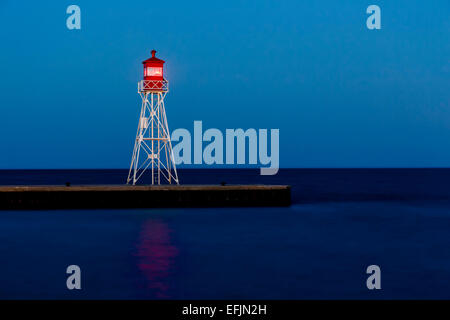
(342, 95)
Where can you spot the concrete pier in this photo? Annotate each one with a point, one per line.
(119, 196)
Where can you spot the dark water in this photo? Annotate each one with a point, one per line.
(341, 221)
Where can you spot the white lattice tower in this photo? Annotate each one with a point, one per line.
(153, 148)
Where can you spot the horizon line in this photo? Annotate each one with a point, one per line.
(235, 168)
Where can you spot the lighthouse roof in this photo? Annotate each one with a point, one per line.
(153, 58)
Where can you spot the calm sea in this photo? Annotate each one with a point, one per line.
(340, 222)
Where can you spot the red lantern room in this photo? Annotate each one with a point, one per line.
(153, 68)
(153, 74)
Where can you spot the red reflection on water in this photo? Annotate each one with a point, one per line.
(156, 255)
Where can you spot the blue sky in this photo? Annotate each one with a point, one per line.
(341, 95)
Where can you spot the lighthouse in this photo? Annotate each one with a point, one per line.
(152, 146)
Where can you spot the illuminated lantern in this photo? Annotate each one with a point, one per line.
(153, 73)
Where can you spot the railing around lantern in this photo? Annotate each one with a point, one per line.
(153, 85)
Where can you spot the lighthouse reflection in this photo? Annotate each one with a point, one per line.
(156, 255)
